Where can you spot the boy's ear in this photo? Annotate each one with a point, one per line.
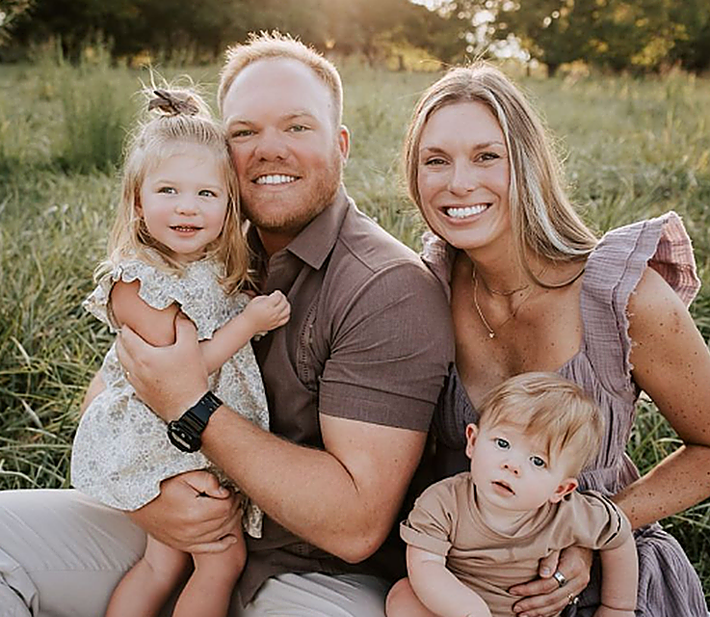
(471, 434)
(564, 488)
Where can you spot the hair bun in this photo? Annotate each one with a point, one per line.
(173, 103)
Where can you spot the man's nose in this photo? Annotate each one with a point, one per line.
(271, 145)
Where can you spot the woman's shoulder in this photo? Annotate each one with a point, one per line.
(439, 256)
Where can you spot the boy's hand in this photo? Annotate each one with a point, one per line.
(268, 312)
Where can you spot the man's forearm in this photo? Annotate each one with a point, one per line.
(343, 500)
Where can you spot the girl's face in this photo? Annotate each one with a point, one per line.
(184, 200)
(464, 175)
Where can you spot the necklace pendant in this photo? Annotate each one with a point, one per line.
(491, 335)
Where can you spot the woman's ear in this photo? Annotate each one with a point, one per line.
(471, 434)
(564, 488)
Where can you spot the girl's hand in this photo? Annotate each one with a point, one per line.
(268, 312)
(544, 597)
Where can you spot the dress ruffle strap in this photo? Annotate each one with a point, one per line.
(192, 291)
(613, 271)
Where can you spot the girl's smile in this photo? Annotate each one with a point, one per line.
(183, 201)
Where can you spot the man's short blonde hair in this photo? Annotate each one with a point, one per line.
(549, 408)
(275, 45)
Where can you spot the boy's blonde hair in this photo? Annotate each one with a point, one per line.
(542, 216)
(275, 45)
(176, 117)
(549, 408)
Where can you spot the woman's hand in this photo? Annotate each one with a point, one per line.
(193, 514)
(545, 597)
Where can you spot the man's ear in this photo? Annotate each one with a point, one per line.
(471, 434)
(564, 488)
(344, 142)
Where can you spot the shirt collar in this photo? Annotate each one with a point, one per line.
(316, 240)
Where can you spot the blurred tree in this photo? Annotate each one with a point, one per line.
(10, 10)
(639, 35)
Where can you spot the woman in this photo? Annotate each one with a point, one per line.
(532, 289)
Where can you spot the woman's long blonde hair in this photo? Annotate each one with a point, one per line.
(176, 117)
(542, 217)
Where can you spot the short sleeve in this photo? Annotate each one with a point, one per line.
(430, 523)
(391, 350)
(612, 273)
(599, 523)
(197, 291)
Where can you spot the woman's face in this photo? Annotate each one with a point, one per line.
(464, 175)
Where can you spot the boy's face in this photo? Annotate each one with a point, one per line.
(513, 472)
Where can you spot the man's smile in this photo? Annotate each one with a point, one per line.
(275, 179)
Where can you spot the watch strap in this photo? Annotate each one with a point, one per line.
(199, 414)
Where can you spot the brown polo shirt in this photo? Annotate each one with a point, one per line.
(369, 339)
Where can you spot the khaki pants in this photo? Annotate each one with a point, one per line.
(62, 554)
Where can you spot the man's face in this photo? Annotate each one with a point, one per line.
(285, 146)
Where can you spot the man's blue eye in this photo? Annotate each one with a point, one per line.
(503, 444)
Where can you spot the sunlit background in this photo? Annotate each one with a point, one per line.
(622, 84)
(639, 36)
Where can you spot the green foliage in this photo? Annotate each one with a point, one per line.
(635, 35)
(634, 148)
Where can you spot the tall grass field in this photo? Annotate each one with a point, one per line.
(633, 148)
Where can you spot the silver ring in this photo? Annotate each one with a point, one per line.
(572, 599)
(560, 578)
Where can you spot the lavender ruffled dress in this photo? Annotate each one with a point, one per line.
(668, 584)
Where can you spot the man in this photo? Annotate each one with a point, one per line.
(351, 383)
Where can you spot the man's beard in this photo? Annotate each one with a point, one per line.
(290, 221)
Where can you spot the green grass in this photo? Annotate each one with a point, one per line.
(633, 149)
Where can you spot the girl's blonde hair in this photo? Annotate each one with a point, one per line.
(542, 217)
(176, 117)
(550, 409)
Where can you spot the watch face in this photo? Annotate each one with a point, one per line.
(182, 438)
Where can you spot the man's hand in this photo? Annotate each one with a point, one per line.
(193, 514)
(544, 597)
(168, 379)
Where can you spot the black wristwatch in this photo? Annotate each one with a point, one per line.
(185, 433)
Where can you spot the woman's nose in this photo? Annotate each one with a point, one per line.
(462, 179)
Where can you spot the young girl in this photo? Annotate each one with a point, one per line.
(176, 247)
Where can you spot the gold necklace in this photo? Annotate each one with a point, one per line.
(501, 292)
(484, 321)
